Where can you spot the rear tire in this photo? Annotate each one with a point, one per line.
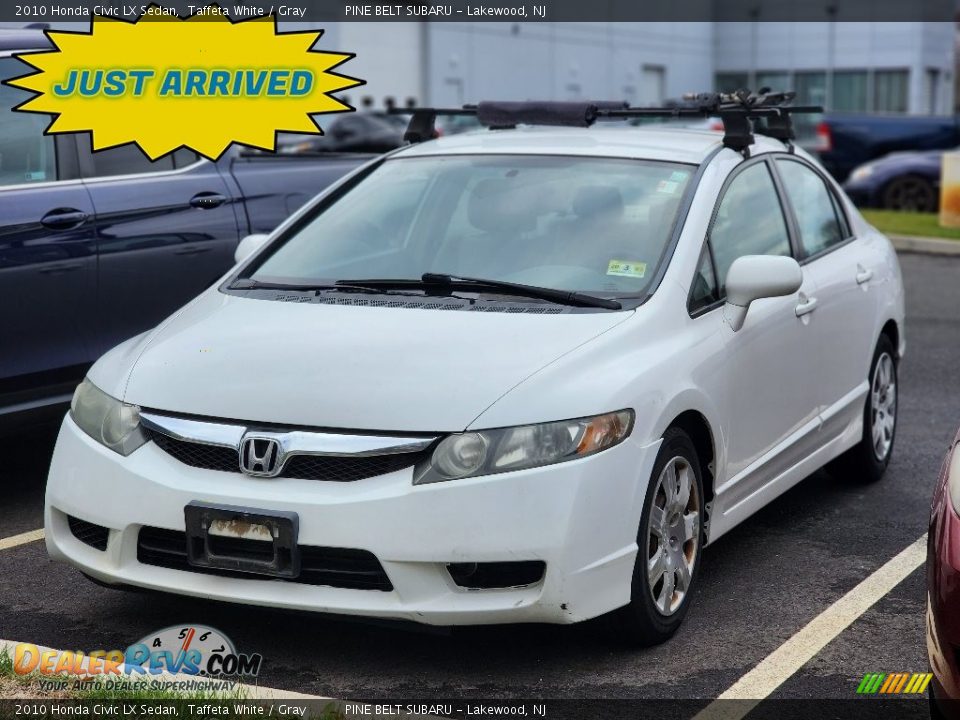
(867, 461)
(670, 540)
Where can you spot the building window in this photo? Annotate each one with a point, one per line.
(850, 91)
(728, 82)
(653, 84)
(776, 81)
(811, 88)
(890, 91)
(933, 91)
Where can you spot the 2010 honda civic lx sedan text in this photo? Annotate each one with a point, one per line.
(522, 374)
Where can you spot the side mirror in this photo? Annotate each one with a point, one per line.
(753, 277)
(248, 246)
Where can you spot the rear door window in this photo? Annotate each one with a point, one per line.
(813, 206)
(26, 154)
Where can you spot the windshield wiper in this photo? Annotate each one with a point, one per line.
(562, 297)
(248, 284)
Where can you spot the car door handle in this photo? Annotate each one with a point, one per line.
(863, 276)
(207, 200)
(60, 268)
(63, 218)
(807, 306)
(192, 251)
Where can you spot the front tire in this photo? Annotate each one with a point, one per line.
(910, 193)
(670, 540)
(867, 461)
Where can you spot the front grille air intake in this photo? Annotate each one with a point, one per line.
(86, 532)
(333, 567)
(199, 455)
(493, 575)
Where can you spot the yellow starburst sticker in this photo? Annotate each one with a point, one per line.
(202, 82)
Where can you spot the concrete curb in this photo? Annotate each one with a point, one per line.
(925, 245)
(252, 692)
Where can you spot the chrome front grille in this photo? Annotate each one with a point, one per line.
(303, 454)
(347, 469)
(208, 457)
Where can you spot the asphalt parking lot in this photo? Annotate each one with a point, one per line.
(760, 584)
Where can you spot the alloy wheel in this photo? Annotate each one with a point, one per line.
(883, 406)
(673, 535)
(910, 193)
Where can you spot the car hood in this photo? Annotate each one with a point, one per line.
(903, 157)
(348, 367)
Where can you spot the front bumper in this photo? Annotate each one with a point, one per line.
(579, 517)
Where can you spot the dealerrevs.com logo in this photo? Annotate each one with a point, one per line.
(903, 683)
(195, 650)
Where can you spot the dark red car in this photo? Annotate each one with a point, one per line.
(943, 588)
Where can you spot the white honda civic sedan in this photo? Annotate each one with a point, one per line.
(518, 375)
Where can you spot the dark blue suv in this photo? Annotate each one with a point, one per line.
(98, 247)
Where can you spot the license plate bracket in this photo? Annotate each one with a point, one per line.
(242, 539)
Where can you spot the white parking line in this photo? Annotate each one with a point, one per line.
(782, 663)
(21, 539)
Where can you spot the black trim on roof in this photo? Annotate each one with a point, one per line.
(743, 113)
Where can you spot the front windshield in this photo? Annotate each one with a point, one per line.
(586, 224)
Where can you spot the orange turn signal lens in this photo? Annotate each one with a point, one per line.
(603, 431)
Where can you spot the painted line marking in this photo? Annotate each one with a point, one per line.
(21, 539)
(782, 663)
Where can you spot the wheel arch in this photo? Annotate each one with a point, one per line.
(696, 425)
(892, 330)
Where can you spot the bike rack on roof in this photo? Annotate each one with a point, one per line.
(737, 110)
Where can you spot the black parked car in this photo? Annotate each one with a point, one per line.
(846, 141)
(899, 181)
(96, 247)
(353, 132)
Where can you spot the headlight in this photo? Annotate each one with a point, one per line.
(861, 173)
(108, 421)
(953, 478)
(485, 452)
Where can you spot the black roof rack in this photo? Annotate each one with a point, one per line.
(737, 110)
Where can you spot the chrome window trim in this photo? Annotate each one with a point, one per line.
(107, 178)
(94, 179)
(45, 183)
(11, 53)
(292, 442)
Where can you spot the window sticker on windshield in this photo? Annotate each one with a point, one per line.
(627, 268)
(667, 186)
(35, 175)
(678, 176)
